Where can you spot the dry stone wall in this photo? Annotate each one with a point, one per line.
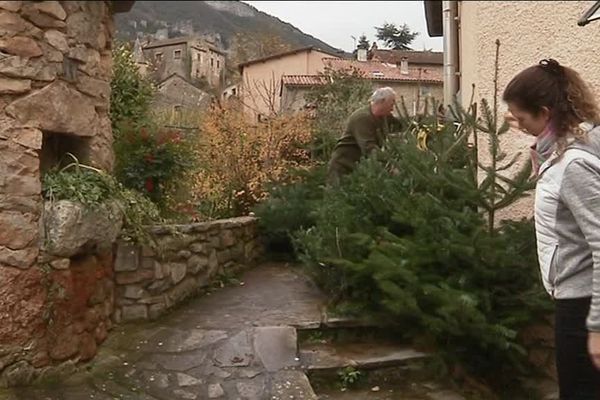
(149, 282)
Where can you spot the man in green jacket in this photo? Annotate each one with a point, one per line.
(365, 131)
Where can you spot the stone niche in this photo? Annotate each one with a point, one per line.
(55, 68)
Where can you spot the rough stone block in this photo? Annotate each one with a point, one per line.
(196, 263)
(51, 8)
(18, 258)
(213, 262)
(18, 229)
(224, 256)
(57, 108)
(19, 374)
(237, 252)
(57, 39)
(61, 263)
(227, 238)
(148, 251)
(128, 257)
(178, 272)
(98, 295)
(41, 19)
(183, 290)
(21, 46)
(158, 287)
(156, 310)
(136, 312)
(134, 292)
(70, 227)
(126, 278)
(215, 391)
(14, 86)
(13, 6)
(198, 248)
(184, 255)
(65, 344)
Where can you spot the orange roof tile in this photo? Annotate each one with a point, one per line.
(303, 80)
(378, 71)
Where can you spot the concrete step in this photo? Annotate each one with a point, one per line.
(360, 355)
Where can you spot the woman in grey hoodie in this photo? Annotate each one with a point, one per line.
(552, 103)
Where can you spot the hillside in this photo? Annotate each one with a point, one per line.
(221, 20)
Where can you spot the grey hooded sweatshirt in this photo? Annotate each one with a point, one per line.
(567, 219)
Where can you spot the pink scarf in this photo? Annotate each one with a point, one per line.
(542, 149)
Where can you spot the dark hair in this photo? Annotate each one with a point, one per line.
(558, 88)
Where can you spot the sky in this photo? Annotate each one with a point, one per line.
(352, 18)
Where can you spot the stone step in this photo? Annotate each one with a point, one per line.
(360, 355)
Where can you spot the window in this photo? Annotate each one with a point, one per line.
(212, 62)
(218, 64)
(425, 91)
(177, 54)
(199, 57)
(158, 56)
(197, 73)
(233, 91)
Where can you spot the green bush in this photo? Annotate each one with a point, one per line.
(152, 160)
(131, 93)
(290, 208)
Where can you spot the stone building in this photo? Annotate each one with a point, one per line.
(190, 57)
(55, 68)
(177, 96)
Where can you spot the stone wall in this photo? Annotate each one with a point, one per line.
(189, 257)
(55, 67)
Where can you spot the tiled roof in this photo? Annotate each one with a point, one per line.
(284, 54)
(378, 71)
(197, 43)
(303, 80)
(414, 57)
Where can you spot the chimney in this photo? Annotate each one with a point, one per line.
(404, 66)
(361, 54)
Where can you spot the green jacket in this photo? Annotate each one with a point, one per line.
(364, 132)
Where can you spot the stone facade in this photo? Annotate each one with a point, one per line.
(189, 57)
(55, 68)
(189, 257)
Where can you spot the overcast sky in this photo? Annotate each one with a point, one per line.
(335, 22)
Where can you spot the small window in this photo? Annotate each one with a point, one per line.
(212, 62)
(233, 91)
(199, 57)
(177, 54)
(218, 64)
(197, 73)
(158, 56)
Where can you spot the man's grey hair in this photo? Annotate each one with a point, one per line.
(382, 94)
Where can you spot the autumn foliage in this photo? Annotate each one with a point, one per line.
(237, 159)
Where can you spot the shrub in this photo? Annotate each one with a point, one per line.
(152, 160)
(131, 93)
(238, 159)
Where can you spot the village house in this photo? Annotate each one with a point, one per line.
(175, 95)
(261, 78)
(415, 76)
(190, 57)
(528, 32)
